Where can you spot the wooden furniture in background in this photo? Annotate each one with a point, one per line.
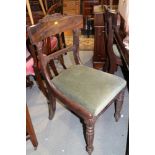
(100, 55)
(107, 2)
(113, 56)
(71, 7)
(35, 4)
(123, 51)
(88, 6)
(88, 15)
(30, 133)
(35, 12)
(76, 86)
(100, 26)
(30, 11)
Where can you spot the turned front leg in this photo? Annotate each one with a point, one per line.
(89, 135)
(118, 105)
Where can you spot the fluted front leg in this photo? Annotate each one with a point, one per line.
(118, 105)
(51, 106)
(89, 135)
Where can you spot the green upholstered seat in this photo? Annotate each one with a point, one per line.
(91, 88)
(116, 52)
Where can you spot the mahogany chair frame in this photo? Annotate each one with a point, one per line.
(112, 61)
(30, 133)
(52, 25)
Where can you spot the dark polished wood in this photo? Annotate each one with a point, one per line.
(90, 135)
(88, 14)
(30, 133)
(119, 35)
(100, 56)
(118, 105)
(100, 26)
(38, 34)
(113, 61)
(123, 51)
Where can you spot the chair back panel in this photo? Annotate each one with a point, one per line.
(47, 27)
(52, 25)
(110, 53)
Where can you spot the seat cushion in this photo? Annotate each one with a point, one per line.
(91, 88)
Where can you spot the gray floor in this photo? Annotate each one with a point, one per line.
(64, 134)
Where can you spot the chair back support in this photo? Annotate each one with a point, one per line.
(53, 24)
(50, 26)
(112, 59)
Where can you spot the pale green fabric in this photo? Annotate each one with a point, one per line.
(91, 88)
(115, 49)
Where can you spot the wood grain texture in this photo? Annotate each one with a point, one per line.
(71, 7)
(58, 23)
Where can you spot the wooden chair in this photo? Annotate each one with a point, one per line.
(113, 55)
(87, 92)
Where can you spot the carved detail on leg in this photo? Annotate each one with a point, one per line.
(51, 106)
(89, 135)
(118, 105)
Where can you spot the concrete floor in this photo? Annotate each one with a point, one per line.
(64, 134)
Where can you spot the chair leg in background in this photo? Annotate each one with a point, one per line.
(30, 129)
(118, 105)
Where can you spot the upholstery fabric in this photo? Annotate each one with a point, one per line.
(91, 88)
(116, 52)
